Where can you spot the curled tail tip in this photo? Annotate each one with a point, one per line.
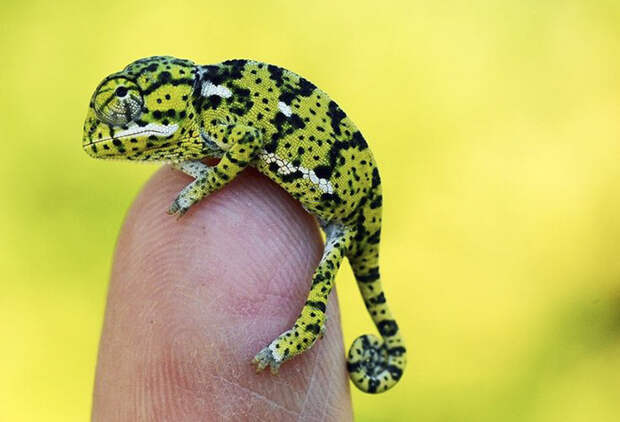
(373, 367)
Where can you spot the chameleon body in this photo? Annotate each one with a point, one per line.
(248, 113)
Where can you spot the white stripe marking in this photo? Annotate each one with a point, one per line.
(150, 129)
(285, 109)
(285, 167)
(208, 89)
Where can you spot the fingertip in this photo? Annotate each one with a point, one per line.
(191, 302)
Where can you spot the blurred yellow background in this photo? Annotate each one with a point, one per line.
(495, 125)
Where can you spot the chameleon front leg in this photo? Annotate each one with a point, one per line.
(241, 143)
(310, 324)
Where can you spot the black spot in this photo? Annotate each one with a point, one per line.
(291, 177)
(380, 298)
(387, 328)
(359, 141)
(353, 366)
(234, 68)
(373, 383)
(396, 351)
(164, 76)
(331, 197)
(336, 115)
(372, 275)
(374, 238)
(297, 122)
(395, 372)
(270, 147)
(306, 88)
(376, 203)
(317, 305)
(324, 172)
(275, 73)
(313, 328)
(376, 180)
(212, 102)
(287, 97)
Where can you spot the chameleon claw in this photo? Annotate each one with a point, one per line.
(323, 329)
(175, 208)
(259, 365)
(266, 358)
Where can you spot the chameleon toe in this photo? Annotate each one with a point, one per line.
(266, 358)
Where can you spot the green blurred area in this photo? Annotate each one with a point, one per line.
(495, 124)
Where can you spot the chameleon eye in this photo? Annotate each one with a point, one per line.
(121, 91)
(118, 101)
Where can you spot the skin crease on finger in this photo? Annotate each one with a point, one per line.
(191, 301)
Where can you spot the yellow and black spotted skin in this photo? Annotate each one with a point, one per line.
(248, 113)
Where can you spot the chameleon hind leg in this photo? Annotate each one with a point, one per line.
(241, 144)
(375, 365)
(310, 324)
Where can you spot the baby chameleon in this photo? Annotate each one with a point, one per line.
(248, 113)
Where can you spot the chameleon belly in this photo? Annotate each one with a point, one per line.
(248, 113)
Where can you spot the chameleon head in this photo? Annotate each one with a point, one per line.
(143, 112)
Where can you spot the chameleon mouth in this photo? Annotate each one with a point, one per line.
(136, 130)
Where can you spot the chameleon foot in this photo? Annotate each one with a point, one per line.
(189, 196)
(266, 358)
(176, 208)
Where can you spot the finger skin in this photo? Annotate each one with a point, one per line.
(192, 301)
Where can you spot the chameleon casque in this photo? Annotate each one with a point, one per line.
(248, 113)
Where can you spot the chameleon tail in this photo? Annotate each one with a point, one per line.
(375, 365)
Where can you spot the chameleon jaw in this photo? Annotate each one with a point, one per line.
(150, 129)
(136, 130)
(117, 145)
